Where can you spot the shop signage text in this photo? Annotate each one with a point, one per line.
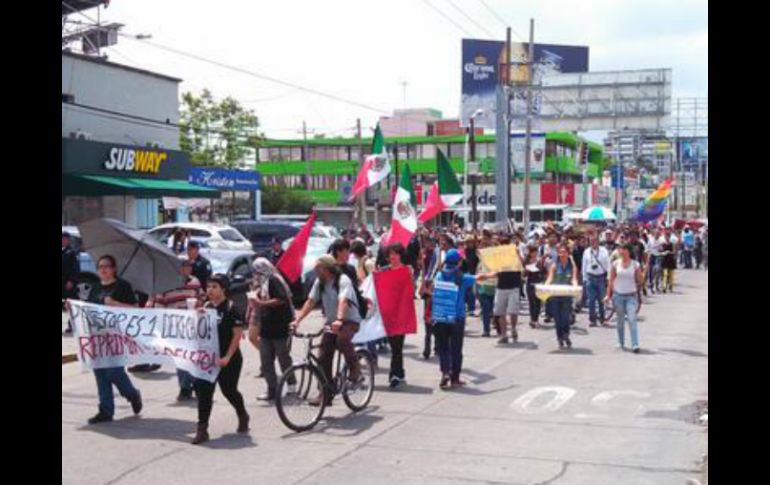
(133, 160)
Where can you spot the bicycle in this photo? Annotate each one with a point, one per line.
(293, 401)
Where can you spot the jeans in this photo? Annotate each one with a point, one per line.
(269, 350)
(561, 309)
(470, 301)
(688, 258)
(487, 305)
(535, 304)
(626, 307)
(105, 378)
(228, 384)
(597, 287)
(343, 340)
(450, 347)
(396, 356)
(185, 380)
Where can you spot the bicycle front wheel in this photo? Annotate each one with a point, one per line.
(300, 397)
(357, 395)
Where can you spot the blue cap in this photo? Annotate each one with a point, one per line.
(452, 257)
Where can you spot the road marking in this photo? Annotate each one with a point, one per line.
(560, 396)
(603, 398)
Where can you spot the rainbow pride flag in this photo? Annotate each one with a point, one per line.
(654, 205)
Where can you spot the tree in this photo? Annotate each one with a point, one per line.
(217, 133)
(281, 200)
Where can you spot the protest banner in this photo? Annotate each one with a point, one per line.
(501, 258)
(116, 337)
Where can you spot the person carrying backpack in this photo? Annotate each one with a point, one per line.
(448, 314)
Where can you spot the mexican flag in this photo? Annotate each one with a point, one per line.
(404, 221)
(446, 191)
(375, 168)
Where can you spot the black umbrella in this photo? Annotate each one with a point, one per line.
(142, 260)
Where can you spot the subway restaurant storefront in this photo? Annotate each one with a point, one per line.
(123, 182)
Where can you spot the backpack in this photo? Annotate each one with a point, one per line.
(361, 303)
(444, 300)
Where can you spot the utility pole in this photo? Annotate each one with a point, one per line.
(306, 156)
(502, 140)
(474, 205)
(362, 196)
(528, 135)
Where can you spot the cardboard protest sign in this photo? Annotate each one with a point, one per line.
(116, 337)
(501, 258)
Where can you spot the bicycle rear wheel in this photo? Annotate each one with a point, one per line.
(293, 405)
(357, 395)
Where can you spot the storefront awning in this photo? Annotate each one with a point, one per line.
(99, 185)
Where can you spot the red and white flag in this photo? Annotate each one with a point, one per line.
(376, 166)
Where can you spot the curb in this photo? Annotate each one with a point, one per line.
(67, 358)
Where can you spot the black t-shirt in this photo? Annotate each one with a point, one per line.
(577, 255)
(120, 291)
(669, 260)
(229, 319)
(201, 270)
(508, 280)
(472, 258)
(275, 320)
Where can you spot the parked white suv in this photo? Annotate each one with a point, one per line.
(216, 236)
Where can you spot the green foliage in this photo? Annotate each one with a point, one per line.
(216, 133)
(281, 200)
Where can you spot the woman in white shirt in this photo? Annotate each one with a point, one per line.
(625, 285)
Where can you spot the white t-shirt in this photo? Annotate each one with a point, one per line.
(330, 298)
(625, 278)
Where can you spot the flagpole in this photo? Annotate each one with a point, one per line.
(362, 195)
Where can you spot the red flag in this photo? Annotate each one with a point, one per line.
(552, 193)
(395, 300)
(290, 263)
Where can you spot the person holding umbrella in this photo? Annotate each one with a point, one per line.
(115, 292)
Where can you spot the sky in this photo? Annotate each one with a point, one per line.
(363, 50)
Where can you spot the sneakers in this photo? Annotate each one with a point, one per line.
(268, 396)
(568, 342)
(593, 324)
(503, 340)
(316, 401)
(457, 382)
(620, 347)
(201, 436)
(185, 395)
(444, 384)
(100, 418)
(426, 355)
(396, 381)
(136, 404)
(486, 334)
(532, 325)
(515, 335)
(635, 350)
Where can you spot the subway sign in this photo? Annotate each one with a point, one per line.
(116, 160)
(135, 160)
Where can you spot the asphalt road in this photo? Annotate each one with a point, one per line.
(531, 414)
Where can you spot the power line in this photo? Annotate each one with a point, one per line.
(260, 76)
(501, 20)
(440, 12)
(462, 12)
